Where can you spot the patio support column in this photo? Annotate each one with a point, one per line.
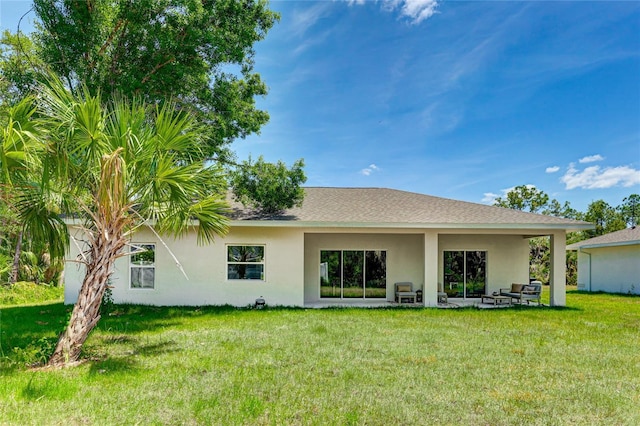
(558, 270)
(430, 291)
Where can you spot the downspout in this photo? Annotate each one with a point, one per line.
(588, 254)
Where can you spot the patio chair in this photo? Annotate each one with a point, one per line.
(523, 292)
(404, 290)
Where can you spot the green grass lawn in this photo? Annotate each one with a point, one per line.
(575, 365)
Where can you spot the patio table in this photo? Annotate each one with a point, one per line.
(497, 299)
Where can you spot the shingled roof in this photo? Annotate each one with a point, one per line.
(629, 236)
(394, 208)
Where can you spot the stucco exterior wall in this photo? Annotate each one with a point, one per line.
(610, 269)
(507, 257)
(292, 259)
(404, 257)
(206, 268)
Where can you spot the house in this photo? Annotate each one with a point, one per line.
(345, 245)
(610, 262)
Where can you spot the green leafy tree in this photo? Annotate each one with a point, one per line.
(554, 208)
(524, 197)
(630, 209)
(605, 217)
(19, 67)
(17, 156)
(531, 199)
(269, 187)
(196, 53)
(118, 165)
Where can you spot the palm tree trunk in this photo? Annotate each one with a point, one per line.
(16, 260)
(86, 312)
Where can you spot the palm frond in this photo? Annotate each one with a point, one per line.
(40, 219)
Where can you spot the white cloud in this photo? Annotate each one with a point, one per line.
(591, 159)
(415, 10)
(304, 19)
(489, 197)
(595, 177)
(368, 170)
(552, 169)
(419, 10)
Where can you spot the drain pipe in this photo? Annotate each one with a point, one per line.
(588, 254)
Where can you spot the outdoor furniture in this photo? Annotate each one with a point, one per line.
(497, 299)
(523, 292)
(404, 290)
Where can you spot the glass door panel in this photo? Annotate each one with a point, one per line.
(353, 274)
(375, 274)
(331, 274)
(476, 273)
(465, 273)
(454, 273)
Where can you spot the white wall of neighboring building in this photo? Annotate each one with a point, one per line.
(614, 269)
(206, 268)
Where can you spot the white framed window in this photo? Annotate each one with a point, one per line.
(245, 262)
(142, 266)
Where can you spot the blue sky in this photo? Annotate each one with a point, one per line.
(456, 99)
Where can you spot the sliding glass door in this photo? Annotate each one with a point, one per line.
(353, 274)
(465, 273)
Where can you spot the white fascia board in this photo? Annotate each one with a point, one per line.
(510, 226)
(612, 244)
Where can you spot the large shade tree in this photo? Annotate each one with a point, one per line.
(199, 53)
(114, 166)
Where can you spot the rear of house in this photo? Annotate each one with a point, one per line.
(344, 245)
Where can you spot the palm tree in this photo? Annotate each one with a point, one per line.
(116, 167)
(19, 165)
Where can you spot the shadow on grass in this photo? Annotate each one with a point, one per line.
(43, 386)
(28, 333)
(128, 361)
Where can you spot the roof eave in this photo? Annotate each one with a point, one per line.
(404, 225)
(610, 244)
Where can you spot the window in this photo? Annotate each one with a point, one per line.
(142, 264)
(245, 262)
(465, 273)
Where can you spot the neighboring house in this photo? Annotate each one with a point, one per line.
(610, 262)
(343, 245)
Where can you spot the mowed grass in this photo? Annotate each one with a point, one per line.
(26, 293)
(575, 365)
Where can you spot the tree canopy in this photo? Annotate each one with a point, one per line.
(524, 197)
(197, 53)
(269, 187)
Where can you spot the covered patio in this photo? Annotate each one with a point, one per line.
(359, 267)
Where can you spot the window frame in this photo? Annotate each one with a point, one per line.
(136, 249)
(263, 262)
(383, 252)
